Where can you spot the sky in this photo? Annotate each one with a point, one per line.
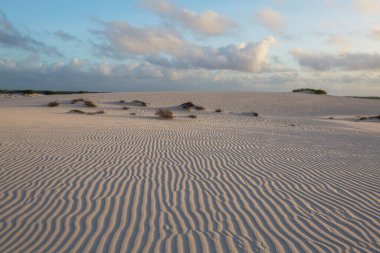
(173, 45)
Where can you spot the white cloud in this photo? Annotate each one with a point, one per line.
(367, 6)
(342, 43)
(165, 48)
(375, 33)
(271, 19)
(209, 23)
(331, 62)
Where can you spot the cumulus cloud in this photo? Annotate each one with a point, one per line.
(125, 39)
(209, 23)
(367, 6)
(165, 48)
(10, 37)
(330, 62)
(271, 19)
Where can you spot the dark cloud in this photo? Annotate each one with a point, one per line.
(10, 37)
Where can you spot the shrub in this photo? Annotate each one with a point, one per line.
(133, 113)
(93, 113)
(190, 105)
(374, 117)
(76, 100)
(254, 114)
(53, 104)
(218, 110)
(122, 101)
(125, 108)
(89, 103)
(164, 113)
(77, 111)
(193, 116)
(139, 103)
(311, 91)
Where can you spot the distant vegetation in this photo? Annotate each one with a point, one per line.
(366, 97)
(43, 92)
(311, 91)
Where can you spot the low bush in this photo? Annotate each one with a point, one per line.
(193, 116)
(89, 103)
(164, 113)
(139, 103)
(218, 110)
(77, 111)
(125, 108)
(53, 104)
(311, 91)
(190, 105)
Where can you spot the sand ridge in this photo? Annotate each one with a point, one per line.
(285, 181)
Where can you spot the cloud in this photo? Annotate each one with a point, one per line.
(342, 43)
(10, 37)
(330, 62)
(165, 48)
(209, 23)
(375, 33)
(65, 36)
(271, 19)
(367, 6)
(125, 40)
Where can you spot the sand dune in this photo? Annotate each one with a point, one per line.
(289, 180)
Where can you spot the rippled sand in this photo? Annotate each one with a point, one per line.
(289, 180)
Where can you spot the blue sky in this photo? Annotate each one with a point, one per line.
(159, 45)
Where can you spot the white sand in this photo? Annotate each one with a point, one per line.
(224, 182)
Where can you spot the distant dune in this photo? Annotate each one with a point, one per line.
(289, 180)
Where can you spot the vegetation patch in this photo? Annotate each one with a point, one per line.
(76, 100)
(77, 111)
(218, 110)
(125, 108)
(310, 91)
(164, 113)
(89, 103)
(193, 116)
(139, 103)
(190, 105)
(53, 104)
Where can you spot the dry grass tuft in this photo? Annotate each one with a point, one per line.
(193, 116)
(53, 104)
(190, 105)
(89, 103)
(125, 108)
(139, 103)
(76, 100)
(164, 113)
(77, 111)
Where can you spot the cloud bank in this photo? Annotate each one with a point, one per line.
(331, 62)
